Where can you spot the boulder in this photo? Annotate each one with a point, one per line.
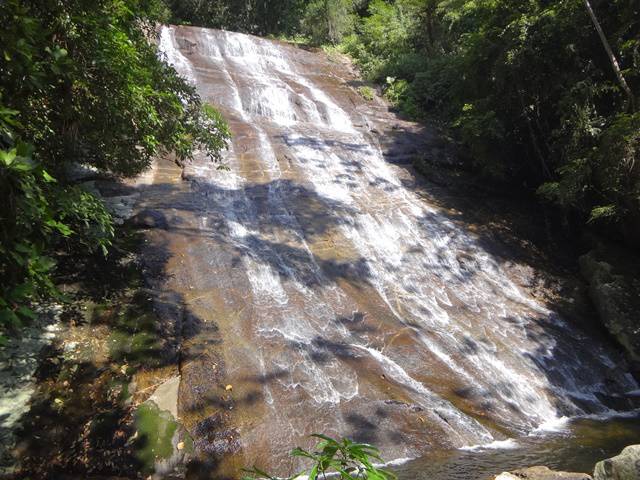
(541, 473)
(148, 218)
(614, 289)
(625, 466)
(120, 206)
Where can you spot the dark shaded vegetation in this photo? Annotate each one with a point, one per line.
(319, 20)
(80, 421)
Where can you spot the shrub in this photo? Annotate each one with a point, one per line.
(345, 459)
(80, 81)
(400, 94)
(367, 93)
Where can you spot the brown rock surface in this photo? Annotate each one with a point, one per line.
(541, 473)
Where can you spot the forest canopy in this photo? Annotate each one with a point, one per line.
(529, 87)
(542, 94)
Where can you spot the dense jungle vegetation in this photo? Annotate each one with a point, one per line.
(80, 81)
(542, 95)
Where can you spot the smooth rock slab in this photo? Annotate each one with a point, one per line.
(148, 218)
(166, 396)
(625, 466)
(541, 473)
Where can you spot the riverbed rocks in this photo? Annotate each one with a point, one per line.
(541, 473)
(625, 466)
(19, 359)
(119, 202)
(214, 439)
(166, 396)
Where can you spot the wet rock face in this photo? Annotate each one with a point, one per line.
(614, 289)
(541, 473)
(148, 218)
(625, 466)
(215, 440)
(333, 290)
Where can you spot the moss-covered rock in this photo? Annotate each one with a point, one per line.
(156, 435)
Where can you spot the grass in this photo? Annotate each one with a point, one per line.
(367, 93)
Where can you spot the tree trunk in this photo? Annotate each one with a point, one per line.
(546, 173)
(612, 58)
(430, 11)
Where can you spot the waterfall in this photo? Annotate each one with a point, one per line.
(366, 310)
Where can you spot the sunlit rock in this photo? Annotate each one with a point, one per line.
(541, 473)
(625, 466)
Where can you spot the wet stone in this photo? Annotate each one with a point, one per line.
(211, 438)
(541, 473)
(625, 466)
(149, 219)
(316, 220)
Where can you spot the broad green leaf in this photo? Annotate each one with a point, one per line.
(7, 157)
(48, 178)
(23, 164)
(27, 312)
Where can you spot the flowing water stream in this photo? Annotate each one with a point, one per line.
(334, 297)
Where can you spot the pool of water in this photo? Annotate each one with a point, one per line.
(577, 448)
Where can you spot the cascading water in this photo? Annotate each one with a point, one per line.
(343, 302)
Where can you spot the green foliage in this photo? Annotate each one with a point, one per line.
(318, 21)
(86, 218)
(272, 17)
(27, 223)
(527, 86)
(90, 87)
(333, 52)
(400, 94)
(328, 21)
(344, 459)
(36, 213)
(367, 93)
(80, 81)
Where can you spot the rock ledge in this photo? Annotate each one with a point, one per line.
(541, 473)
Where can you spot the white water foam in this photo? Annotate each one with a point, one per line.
(174, 56)
(446, 412)
(562, 424)
(378, 238)
(508, 444)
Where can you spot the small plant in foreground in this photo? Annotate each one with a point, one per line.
(342, 459)
(367, 93)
